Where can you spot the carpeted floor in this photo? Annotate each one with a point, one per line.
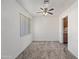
(46, 50)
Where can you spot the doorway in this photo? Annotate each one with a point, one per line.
(65, 30)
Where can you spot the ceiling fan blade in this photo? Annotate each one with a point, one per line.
(41, 8)
(50, 13)
(51, 9)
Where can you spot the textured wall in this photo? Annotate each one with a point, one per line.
(72, 14)
(45, 28)
(12, 44)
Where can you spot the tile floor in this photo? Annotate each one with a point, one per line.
(46, 50)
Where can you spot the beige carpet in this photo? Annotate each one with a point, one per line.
(46, 50)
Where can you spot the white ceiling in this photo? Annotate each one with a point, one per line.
(33, 6)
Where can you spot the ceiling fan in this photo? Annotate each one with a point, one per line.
(45, 10)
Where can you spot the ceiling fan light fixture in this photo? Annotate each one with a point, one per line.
(45, 13)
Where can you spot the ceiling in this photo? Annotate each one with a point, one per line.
(33, 6)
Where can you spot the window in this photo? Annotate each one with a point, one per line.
(24, 25)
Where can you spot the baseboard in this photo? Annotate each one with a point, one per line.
(45, 40)
(24, 49)
(7, 57)
(73, 56)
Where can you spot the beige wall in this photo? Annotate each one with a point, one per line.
(72, 14)
(12, 44)
(45, 28)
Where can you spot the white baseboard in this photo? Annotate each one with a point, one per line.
(7, 57)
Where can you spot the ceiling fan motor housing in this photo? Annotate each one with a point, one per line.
(46, 1)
